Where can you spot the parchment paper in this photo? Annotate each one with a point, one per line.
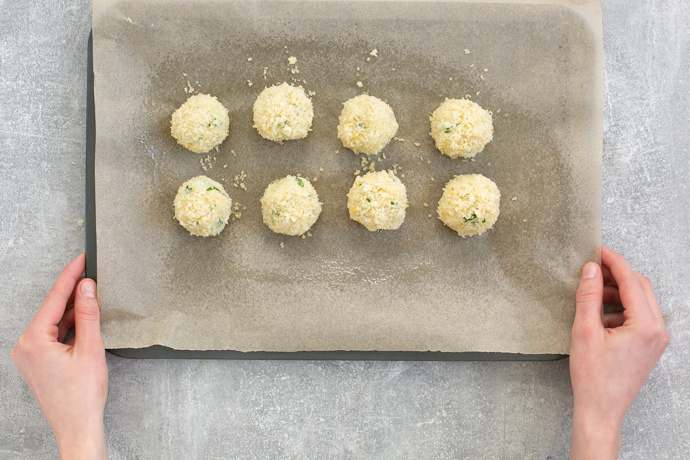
(536, 66)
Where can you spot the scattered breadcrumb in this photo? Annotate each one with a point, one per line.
(80, 223)
(428, 162)
(310, 93)
(399, 139)
(292, 60)
(282, 245)
(426, 205)
(374, 52)
(249, 83)
(467, 51)
(249, 59)
(359, 83)
(206, 163)
(320, 169)
(128, 19)
(417, 144)
(238, 181)
(450, 79)
(357, 172)
(25, 254)
(514, 198)
(524, 220)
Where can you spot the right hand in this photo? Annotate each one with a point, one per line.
(610, 362)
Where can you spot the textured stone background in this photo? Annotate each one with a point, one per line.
(343, 410)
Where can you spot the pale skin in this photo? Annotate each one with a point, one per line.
(69, 380)
(609, 362)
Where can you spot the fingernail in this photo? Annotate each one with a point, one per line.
(88, 289)
(590, 271)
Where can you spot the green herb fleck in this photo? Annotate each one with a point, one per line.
(299, 182)
(378, 230)
(369, 200)
(392, 203)
(447, 130)
(212, 188)
(483, 220)
(471, 218)
(187, 189)
(362, 125)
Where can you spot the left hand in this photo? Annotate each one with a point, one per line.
(69, 380)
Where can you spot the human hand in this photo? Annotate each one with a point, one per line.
(610, 362)
(70, 380)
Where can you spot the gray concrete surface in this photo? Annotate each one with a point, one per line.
(345, 410)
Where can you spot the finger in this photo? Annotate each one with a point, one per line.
(589, 299)
(651, 297)
(611, 295)
(70, 342)
(633, 297)
(613, 320)
(87, 315)
(70, 301)
(608, 277)
(65, 324)
(53, 307)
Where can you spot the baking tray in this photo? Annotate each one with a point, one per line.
(159, 351)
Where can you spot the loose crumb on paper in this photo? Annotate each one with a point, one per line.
(374, 52)
(467, 51)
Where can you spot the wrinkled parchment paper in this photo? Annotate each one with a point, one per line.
(536, 66)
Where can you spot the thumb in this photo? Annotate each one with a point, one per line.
(87, 314)
(589, 297)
